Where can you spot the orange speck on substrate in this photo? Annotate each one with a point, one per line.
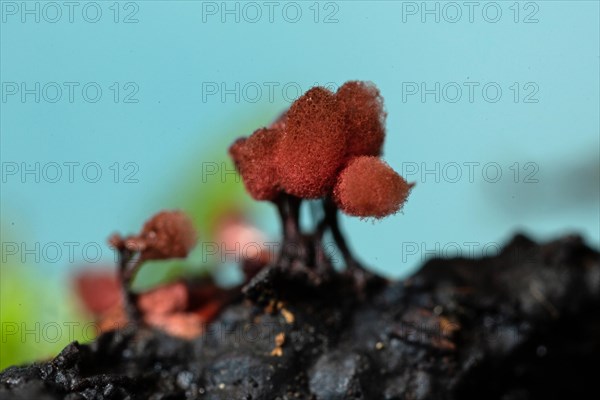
(279, 341)
(288, 316)
(313, 145)
(368, 187)
(270, 307)
(277, 352)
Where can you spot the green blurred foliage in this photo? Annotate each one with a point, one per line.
(35, 321)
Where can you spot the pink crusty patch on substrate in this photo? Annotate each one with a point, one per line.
(368, 187)
(179, 308)
(254, 158)
(363, 118)
(313, 146)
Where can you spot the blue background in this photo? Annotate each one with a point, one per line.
(177, 50)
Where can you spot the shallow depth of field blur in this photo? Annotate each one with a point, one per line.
(492, 111)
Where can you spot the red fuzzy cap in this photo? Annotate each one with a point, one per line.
(302, 152)
(254, 158)
(168, 234)
(368, 187)
(280, 122)
(313, 146)
(236, 150)
(361, 107)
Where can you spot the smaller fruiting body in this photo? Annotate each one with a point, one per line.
(368, 187)
(168, 234)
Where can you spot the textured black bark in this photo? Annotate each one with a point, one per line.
(523, 325)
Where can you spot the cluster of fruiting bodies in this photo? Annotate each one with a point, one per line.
(326, 147)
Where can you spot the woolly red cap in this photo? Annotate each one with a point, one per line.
(254, 158)
(368, 187)
(361, 107)
(168, 234)
(313, 146)
(236, 151)
(280, 122)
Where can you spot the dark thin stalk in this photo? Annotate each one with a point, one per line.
(283, 213)
(289, 212)
(293, 221)
(127, 271)
(321, 262)
(331, 215)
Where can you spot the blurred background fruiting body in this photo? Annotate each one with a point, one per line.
(496, 121)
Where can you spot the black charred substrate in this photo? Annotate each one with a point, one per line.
(523, 325)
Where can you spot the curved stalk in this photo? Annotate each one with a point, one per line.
(331, 215)
(127, 271)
